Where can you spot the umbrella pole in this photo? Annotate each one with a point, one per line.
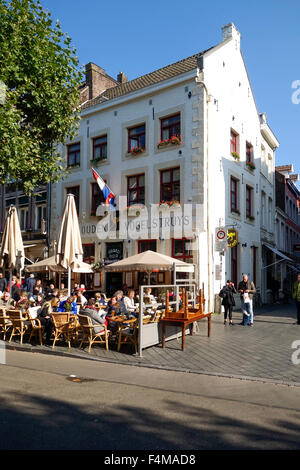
(69, 281)
(10, 279)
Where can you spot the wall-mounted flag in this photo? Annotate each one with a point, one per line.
(106, 191)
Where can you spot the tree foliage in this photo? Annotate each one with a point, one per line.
(40, 70)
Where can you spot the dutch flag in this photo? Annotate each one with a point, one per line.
(107, 193)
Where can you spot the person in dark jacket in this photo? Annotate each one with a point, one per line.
(228, 301)
(3, 283)
(30, 283)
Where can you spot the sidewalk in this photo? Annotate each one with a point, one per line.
(260, 352)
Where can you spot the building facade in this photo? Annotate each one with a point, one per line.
(34, 218)
(287, 223)
(188, 133)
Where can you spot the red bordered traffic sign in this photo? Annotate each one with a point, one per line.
(221, 235)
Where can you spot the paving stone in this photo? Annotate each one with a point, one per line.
(262, 351)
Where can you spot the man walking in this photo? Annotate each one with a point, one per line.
(296, 296)
(247, 288)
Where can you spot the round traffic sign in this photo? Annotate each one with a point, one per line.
(221, 234)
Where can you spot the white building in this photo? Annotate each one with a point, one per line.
(208, 100)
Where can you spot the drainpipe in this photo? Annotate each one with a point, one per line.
(200, 82)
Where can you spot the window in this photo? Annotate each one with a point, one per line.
(144, 245)
(181, 249)
(234, 142)
(40, 216)
(249, 202)
(234, 265)
(136, 189)
(137, 137)
(249, 153)
(23, 218)
(88, 252)
(100, 148)
(97, 198)
(170, 185)
(234, 206)
(263, 209)
(254, 267)
(73, 155)
(170, 126)
(76, 191)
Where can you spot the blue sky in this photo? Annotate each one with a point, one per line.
(138, 37)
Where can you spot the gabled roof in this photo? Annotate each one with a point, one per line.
(149, 79)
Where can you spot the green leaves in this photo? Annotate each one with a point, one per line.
(41, 72)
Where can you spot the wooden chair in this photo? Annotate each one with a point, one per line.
(5, 324)
(89, 335)
(20, 325)
(36, 328)
(63, 327)
(128, 336)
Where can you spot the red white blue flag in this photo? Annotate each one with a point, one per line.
(107, 193)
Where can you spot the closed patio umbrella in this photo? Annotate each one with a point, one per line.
(12, 249)
(69, 247)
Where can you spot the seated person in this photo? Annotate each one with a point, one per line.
(97, 318)
(129, 302)
(23, 302)
(113, 307)
(150, 296)
(7, 302)
(45, 318)
(120, 299)
(81, 299)
(68, 306)
(99, 299)
(39, 300)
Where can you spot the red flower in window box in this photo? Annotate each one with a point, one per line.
(137, 150)
(174, 140)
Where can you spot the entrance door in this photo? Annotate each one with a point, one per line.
(114, 281)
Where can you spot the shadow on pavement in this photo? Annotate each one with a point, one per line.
(37, 422)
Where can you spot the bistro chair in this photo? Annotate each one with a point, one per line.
(5, 324)
(63, 327)
(128, 336)
(20, 325)
(36, 328)
(89, 335)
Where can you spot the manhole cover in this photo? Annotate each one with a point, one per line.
(74, 378)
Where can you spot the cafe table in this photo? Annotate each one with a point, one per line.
(183, 323)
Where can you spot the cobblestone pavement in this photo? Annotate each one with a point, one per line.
(263, 351)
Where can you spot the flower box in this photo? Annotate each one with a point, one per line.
(235, 211)
(97, 160)
(169, 204)
(136, 150)
(251, 165)
(251, 217)
(235, 155)
(174, 140)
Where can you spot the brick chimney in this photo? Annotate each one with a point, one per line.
(230, 31)
(122, 78)
(97, 80)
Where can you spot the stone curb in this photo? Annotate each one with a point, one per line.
(154, 366)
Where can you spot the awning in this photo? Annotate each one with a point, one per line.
(294, 268)
(278, 253)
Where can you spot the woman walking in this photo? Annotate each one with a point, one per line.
(228, 300)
